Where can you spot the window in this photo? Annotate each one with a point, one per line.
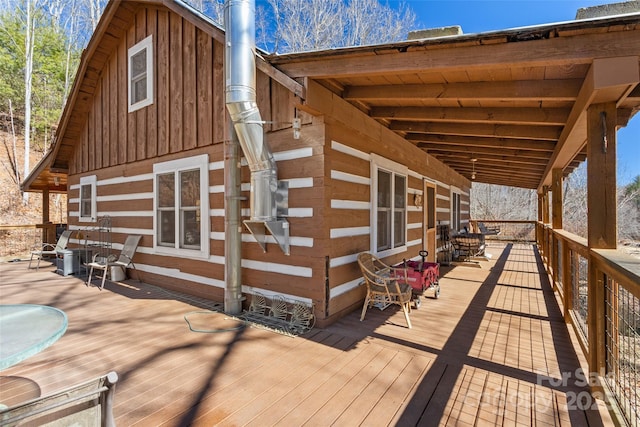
(140, 71)
(88, 198)
(389, 196)
(181, 206)
(455, 211)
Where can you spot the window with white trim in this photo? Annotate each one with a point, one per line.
(140, 74)
(455, 210)
(389, 199)
(181, 194)
(88, 202)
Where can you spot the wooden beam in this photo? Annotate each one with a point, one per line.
(546, 133)
(492, 163)
(601, 177)
(495, 170)
(470, 151)
(493, 143)
(518, 116)
(545, 205)
(489, 156)
(277, 75)
(609, 79)
(529, 90)
(555, 51)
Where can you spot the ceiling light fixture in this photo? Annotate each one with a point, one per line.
(473, 164)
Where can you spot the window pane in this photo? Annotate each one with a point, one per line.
(138, 90)
(384, 230)
(190, 188)
(139, 63)
(167, 232)
(400, 195)
(166, 190)
(430, 204)
(85, 208)
(85, 200)
(398, 228)
(190, 237)
(384, 189)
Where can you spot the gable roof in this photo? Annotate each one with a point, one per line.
(515, 100)
(116, 19)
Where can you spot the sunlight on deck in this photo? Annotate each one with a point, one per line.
(492, 350)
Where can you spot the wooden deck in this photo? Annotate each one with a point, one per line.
(479, 355)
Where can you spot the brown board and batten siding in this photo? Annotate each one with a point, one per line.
(188, 118)
(350, 136)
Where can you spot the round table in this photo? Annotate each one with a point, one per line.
(27, 329)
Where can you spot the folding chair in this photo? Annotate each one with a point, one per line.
(123, 261)
(49, 249)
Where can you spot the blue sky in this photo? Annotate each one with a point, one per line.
(475, 16)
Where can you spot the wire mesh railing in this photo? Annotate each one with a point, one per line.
(579, 290)
(622, 349)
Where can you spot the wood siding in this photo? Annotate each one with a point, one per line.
(328, 170)
(187, 111)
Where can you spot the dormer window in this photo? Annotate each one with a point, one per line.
(140, 71)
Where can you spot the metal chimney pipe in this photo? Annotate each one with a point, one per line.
(240, 71)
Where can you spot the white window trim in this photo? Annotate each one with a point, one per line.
(379, 162)
(147, 44)
(88, 180)
(201, 162)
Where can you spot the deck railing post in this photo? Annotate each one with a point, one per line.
(601, 218)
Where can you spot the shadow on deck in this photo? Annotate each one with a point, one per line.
(492, 350)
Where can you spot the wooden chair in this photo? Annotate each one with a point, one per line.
(49, 249)
(87, 404)
(123, 261)
(385, 285)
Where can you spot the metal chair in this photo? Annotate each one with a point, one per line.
(100, 262)
(87, 404)
(49, 249)
(385, 285)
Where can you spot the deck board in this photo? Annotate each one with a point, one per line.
(481, 354)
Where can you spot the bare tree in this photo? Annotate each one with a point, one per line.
(11, 148)
(303, 25)
(496, 202)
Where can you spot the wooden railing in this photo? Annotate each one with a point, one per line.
(600, 293)
(19, 240)
(508, 230)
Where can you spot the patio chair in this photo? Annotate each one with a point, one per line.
(488, 231)
(125, 260)
(385, 285)
(468, 246)
(49, 249)
(88, 404)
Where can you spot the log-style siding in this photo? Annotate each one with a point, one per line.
(328, 171)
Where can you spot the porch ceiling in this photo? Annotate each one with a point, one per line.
(515, 100)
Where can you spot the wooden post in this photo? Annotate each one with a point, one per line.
(539, 228)
(556, 188)
(545, 204)
(47, 235)
(601, 219)
(567, 286)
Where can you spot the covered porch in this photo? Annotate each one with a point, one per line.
(493, 349)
